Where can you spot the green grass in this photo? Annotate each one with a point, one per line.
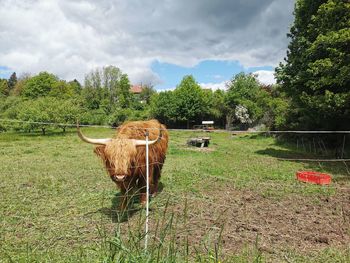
(58, 205)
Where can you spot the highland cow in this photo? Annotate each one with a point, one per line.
(124, 156)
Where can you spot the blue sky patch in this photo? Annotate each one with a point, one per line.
(207, 71)
(5, 72)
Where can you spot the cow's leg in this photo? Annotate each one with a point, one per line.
(156, 176)
(143, 187)
(127, 189)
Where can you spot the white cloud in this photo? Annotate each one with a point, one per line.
(266, 76)
(71, 37)
(214, 86)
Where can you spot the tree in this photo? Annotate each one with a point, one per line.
(61, 89)
(4, 88)
(105, 87)
(124, 96)
(216, 107)
(12, 81)
(316, 72)
(244, 90)
(163, 107)
(146, 93)
(35, 114)
(189, 100)
(20, 84)
(39, 85)
(276, 107)
(66, 112)
(111, 76)
(41, 112)
(75, 86)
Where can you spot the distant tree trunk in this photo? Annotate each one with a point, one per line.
(43, 130)
(229, 120)
(188, 124)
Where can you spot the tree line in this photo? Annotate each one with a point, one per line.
(312, 90)
(105, 99)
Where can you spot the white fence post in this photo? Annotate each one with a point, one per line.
(147, 191)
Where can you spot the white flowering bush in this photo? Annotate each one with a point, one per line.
(241, 114)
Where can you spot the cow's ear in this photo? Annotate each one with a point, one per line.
(100, 151)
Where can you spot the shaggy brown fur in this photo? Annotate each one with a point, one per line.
(122, 157)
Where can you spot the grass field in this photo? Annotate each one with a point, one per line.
(233, 202)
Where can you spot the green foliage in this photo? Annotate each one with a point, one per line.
(39, 85)
(276, 109)
(124, 96)
(35, 114)
(95, 117)
(12, 81)
(245, 90)
(316, 75)
(163, 106)
(106, 99)
(60, 89)
(4, 88)
(8, 107)
(146, 94)
(20, 84)
(189, 100)
(75, 86)
(119, 116)
(107, 88)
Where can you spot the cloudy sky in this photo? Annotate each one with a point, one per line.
(154, 42)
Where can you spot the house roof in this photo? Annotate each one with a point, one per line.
(136, 89)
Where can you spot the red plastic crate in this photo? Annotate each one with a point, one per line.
(314, 177)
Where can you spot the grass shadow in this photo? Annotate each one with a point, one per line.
(134, 206)
(339, 169)
(116, 214)
(282, 153)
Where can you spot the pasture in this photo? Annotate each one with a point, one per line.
(232, 202)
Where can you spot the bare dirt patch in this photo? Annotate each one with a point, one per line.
(303, 224)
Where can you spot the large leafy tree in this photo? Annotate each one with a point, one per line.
(105, 87)
(163, 106)
(38, 113)
(189, 100)
(39, 85)
(216, 109)
(316, 72)
(245, 91)
(124, 96)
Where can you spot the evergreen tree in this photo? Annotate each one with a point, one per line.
(12, 81)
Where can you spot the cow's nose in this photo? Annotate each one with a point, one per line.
(119, 177)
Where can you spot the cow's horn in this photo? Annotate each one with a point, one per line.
(93, 141)
(143, 142)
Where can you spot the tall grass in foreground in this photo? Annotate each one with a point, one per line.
(169, 240)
